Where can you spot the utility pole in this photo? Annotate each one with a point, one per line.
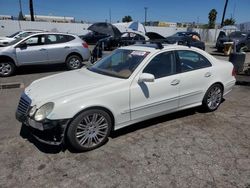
(146, 10)
(20, 16)
(31, 10)
(224, 12)
(110, 15)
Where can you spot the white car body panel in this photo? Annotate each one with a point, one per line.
(128, 100)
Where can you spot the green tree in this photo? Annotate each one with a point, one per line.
(212, 18)
(229, 21)
(31, 10)
(127, 19)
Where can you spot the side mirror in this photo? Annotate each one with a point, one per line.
(22, 45)
(146, 77)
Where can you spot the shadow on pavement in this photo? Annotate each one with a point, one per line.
(154, 121)
(40, 69)
(45, 148)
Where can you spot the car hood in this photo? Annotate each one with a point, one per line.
(6, 39)
(65, 84)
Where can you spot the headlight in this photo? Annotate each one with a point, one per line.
(32, 111)
(44, 111)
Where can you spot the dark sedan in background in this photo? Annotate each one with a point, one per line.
(126, 39)
(241, 39)
(186, 38)
(93, 37)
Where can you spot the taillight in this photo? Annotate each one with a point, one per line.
(233, 72)
(85, 45)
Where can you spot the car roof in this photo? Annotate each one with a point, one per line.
(51, 33)
(154, 47)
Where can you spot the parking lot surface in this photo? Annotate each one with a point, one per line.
(184, 149)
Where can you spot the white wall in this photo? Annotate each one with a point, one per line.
(8, 27)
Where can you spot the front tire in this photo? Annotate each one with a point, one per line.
(212, 98)
(74, 62)
(89, 130)
(7, 68)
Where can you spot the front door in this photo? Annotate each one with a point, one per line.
(149, 99)
(34, 52)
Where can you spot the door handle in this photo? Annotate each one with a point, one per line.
(208, 74)
(42, 49)
(175, 82)
(66, 47)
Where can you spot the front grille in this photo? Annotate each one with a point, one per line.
(24, 104)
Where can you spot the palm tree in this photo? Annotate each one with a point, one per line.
(31, 11)
(212, 18)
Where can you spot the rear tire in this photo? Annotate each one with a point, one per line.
(89, 130)
(7, 68)
(212, 98)
(74, 62)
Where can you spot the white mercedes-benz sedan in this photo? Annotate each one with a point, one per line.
(132, 84)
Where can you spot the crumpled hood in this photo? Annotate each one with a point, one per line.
(65, 84)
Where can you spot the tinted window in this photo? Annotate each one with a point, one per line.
(161, 65)
(69, 38)
(191, 60)
(55, 39)
(35, 40)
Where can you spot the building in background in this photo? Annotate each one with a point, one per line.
(161, 24)
(6, 17)
(58, 19)
(244, 26)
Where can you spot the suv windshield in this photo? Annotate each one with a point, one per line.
(11, 36)
(121, 63)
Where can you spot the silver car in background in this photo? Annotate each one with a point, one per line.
(43, 48)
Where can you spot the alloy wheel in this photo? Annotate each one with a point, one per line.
(5, 69)
(92, 130)
(214, 97)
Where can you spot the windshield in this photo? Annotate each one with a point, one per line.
(237, 35)
(121, 63)
(11, 36)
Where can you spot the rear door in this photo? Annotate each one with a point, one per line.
(34, 53)
(58, 47)
(195, 77)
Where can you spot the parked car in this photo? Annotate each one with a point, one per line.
(93, 37)
(43, 48)
(186, 38)
(20, 34)
(242, 39)
(126, 38)
(132, 84)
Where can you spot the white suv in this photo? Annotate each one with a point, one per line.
(132, 84)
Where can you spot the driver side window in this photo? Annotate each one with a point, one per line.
(162, 65)
(35, 40)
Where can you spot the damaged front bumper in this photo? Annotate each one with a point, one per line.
(47, 131)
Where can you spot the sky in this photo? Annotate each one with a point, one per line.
(158, 10)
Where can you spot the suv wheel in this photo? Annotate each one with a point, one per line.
(6, 68)
(74, 62)
(89, 130)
